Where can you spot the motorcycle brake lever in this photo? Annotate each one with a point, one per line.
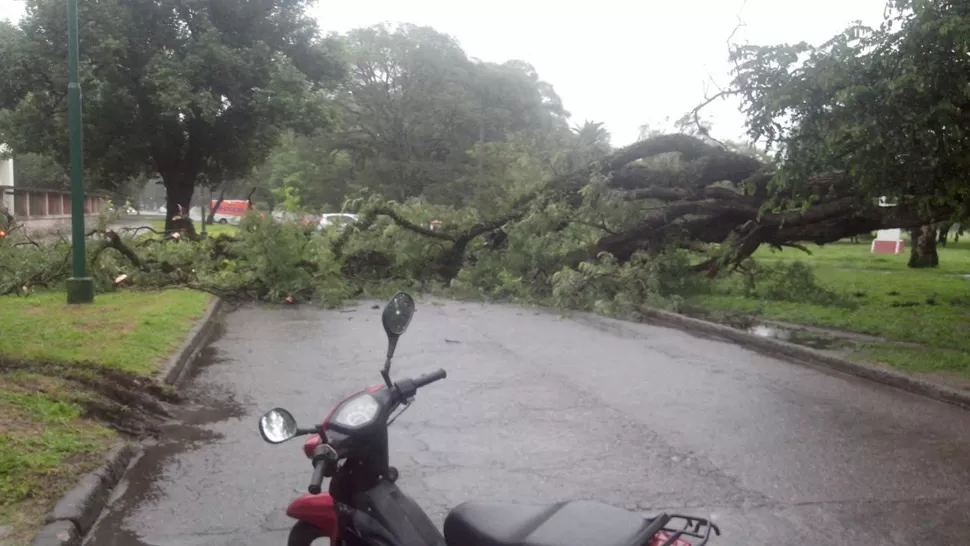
(394, 417)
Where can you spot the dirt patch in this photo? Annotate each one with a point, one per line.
(56, 422)
(128, 403)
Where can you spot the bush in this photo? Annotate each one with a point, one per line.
(623, 290)
(788, 281)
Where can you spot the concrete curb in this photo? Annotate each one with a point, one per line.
(775, 347)
(75, 514)
(180, 364)
(77, 511)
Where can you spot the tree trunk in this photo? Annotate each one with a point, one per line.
(923, 250)
(212, 212)
(178, 200)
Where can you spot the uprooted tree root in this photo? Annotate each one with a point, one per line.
(126, 402)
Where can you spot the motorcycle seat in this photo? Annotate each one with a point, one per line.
(573, 523)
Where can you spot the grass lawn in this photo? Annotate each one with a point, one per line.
(923, 315)
(48, 431)
(211, 229)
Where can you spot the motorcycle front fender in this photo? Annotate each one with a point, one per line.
(318, 510)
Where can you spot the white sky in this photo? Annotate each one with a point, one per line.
(622, 62)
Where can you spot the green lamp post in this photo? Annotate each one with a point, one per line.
(80, 287)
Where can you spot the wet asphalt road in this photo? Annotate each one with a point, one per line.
(539, 408)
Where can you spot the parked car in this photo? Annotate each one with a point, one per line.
(338, 220)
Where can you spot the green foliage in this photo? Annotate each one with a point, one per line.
(38, 171)
(410, 255)
(26, 265)
(506, 172)
(308, 171)
(886, 105)
(415, 103)
(788, 281)
(622, 290)
(195, 94)
(535, 249)
(287, 199)
(286, 260)
(267, 260)
(30, 266)
(417, 118)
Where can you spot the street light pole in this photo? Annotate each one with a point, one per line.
(80, 287)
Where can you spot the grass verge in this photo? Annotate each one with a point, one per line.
(918, 318)
(211, 229)
(72, 379)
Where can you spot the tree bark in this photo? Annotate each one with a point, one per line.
(923, 253)
(178, 200)
(212, 213)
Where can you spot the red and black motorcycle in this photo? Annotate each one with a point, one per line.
(364, 507)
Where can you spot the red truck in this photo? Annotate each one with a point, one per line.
(230, 210)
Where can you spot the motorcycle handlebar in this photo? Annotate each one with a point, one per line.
(317, 479)
(406, 388)
(429, 378)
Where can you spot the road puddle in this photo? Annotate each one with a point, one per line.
(187, 431)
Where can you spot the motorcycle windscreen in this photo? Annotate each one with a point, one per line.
(399, 514)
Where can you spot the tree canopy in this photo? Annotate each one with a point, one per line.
(886, 108)
(415, 106)
(197, 93)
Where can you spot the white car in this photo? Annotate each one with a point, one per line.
(339, 220)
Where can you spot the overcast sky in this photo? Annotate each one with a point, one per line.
(624, 63)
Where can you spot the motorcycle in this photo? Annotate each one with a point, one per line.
(364, 506)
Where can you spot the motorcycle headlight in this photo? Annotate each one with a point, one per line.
(357, 412)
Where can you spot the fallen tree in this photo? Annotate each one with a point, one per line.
(716, 204)
(717, 197)
(726, 198)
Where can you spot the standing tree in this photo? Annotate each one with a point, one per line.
(415, 104)
(886, 108)
(197, 93)
(37, 171)
(308, 168)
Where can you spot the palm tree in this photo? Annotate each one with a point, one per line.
(592, 142)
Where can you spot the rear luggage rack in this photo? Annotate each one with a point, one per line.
(677, 529)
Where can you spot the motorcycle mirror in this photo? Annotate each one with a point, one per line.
(397, 314)
(277, 426)
(396, 317)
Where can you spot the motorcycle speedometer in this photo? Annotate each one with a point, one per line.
(357, 412)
